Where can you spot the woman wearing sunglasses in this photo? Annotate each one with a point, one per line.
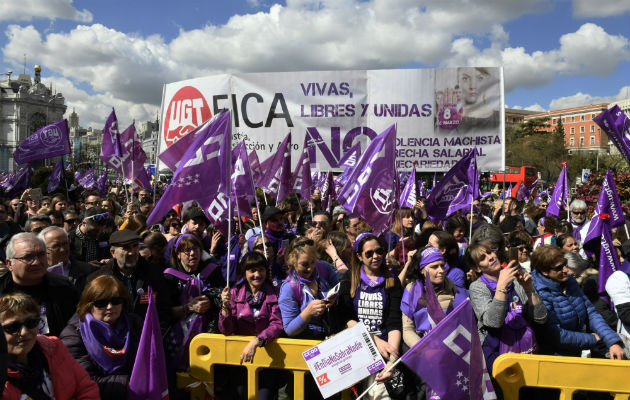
(573, 324)
(428, 296)
(40, 367)
(103, 337)
(371, 294)
(505, 303)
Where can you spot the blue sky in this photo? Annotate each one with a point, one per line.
(101, 54)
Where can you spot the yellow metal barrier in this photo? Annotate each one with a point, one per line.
(208, 349)
(569, 374)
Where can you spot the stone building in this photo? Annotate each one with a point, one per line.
(25, 106)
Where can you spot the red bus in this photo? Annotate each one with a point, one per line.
(514, 176)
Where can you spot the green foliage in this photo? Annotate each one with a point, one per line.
(40, 180)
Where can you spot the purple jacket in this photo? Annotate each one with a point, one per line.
(241, 320)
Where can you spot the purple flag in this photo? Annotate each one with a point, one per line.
(508, 192)
(608, 214)
(617, 126)
(148, 378)
(277, 179)
(242, 181)
(254, 164)
(57, 175)
(462, 200)
(202, 170)
(19, 181)
(410, 192)
(422, 191)
(50, 141)
(175, 152)
(370, 192)
(111, 146)
(87, 179)
(608, 260)
(102, 184)
(520, 191)
(461, 174)
(560, 194)
(302, 180)
(539, 196)
(449, 358)
(348, 161)
(328, 192)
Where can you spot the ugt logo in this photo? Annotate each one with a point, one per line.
(51, 136)
(186, 110)
(382, 199)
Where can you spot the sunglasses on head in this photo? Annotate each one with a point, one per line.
(380, 251)
(260, 246)
(15, 327)
(101, 218)
(102, 303)
(559, 268)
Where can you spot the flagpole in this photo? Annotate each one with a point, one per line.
(157, 165)
(229, 196)
(65, 179)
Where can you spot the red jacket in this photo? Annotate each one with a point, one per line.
(69, 379)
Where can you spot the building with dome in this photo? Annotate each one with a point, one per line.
(26, 105)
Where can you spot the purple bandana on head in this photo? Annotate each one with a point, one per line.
(429, 255)
(358, 239)
(107, 345)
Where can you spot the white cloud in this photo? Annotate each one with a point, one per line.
(590, 50)
(600, 8)
(535, 107)
(580, 99)
(27, 10)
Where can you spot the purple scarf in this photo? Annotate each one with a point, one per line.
(516, 335)
(107, 345)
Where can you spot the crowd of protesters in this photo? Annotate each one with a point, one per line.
(80, 268)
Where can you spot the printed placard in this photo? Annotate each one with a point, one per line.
(343, 360)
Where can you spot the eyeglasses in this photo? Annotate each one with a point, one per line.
(102, 303)
(93, 203)
(579, 212)
(98, 217)
(523, 248)
(70, 221)
(30, 258)
(319, 223)
(15, 327)
(380, 251)
(189, 250)
(559, 268)
(260, 246)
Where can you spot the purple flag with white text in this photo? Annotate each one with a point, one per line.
(370, 192)
(348, 162)
(328, 192)
(617, 126)
(57, 175)
(111, 146)
(254, 164)
(148, 379)
(19, 181)
(410, 193)
(242, 181)
(462, 200)
(202, 170)
(463, 173)
(560, 194)
(50, 141)
(608, 260)
(277, 179)
(102, 184)
(87, 179)
(302, 180)
(449, 358)
(608, 214)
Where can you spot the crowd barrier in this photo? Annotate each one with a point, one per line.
(568, 374)
(209, 349)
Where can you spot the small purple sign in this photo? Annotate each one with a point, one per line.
(449, 117)
(310, 353)
(345, 368)
(376, 366)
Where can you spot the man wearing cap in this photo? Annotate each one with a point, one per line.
(136, 273)
(196, 222)
(58, 255)
(86, 243)
(27, 263)
(273, 223)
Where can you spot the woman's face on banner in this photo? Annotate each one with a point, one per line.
(472, 82)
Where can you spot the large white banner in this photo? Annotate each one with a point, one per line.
(440, 114)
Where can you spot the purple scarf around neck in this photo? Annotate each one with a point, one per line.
(516, 335)
(107, 345)
(369, 282)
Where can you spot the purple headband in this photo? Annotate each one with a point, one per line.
(542, 221)
(359, 238)
(179, 239)
(429, 255)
